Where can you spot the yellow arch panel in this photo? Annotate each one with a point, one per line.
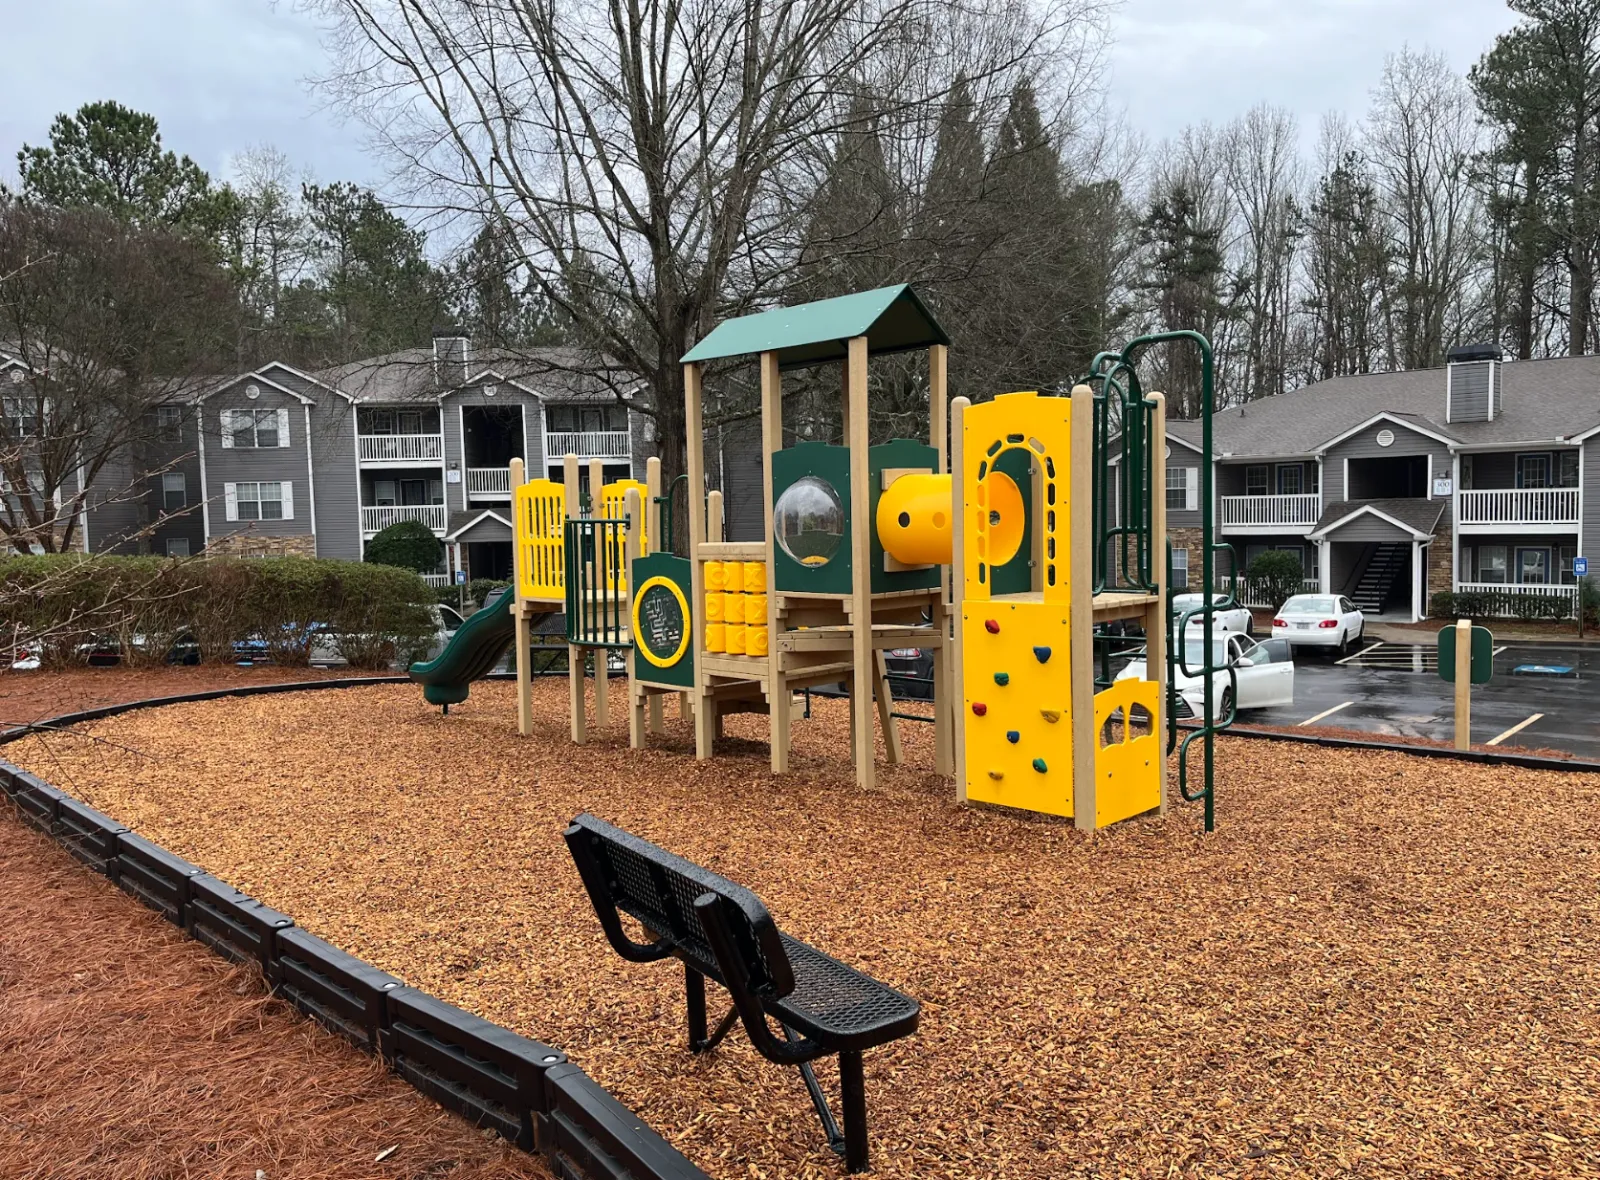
(539, 512)
(1127, 771)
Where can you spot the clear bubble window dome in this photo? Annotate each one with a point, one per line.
(808, 521)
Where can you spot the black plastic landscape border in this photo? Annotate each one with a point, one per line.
(526, 1091)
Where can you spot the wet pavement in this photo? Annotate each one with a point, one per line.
(1394, 689)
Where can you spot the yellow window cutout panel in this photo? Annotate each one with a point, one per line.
(1127, 771)
(1015, 421)
(1017, 701)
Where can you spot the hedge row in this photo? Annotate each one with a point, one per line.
(1499, 604)
(69, 604)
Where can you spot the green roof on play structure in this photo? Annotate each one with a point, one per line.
(892, 319)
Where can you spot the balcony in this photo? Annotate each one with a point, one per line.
(587, 444)
(375, 520)
(400, 449)
(488, 483)
(1540, 510)
(1271, 514)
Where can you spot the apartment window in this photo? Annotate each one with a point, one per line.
(169, 423)
(21, 416)
(380, 422)
(1291, 478)
(1566, 469)
(174, 493)
(259, 501)
(1183, 489)
(601, 417)
(408, 422)
(1564, 556)
(385, 493)
(1466, 474)
(1491, 563)
(177, 546)
(1533, 471)
(1533, 567)
(254, 429)
(1256, 482)
(1180, 569)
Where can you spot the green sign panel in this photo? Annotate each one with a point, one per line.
(662, 621)
(1482, 654)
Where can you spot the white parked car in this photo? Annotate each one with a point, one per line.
(1235, 618)
(1263, 671)
(1319, 620)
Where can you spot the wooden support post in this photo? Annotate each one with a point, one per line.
(694, 432)
(575, 654)
(602, 582)
(860, 563)
(517, 477)
(885, 699)
(1081, 584)
(779, 710)
(944, 695)
(958, 583)
(653, 544)
(632, 551)
(1463, 684)
(1155, 621)
(714, 517)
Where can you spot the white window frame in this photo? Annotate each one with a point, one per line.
(174, 483)
(1299, 470)
(169, 423)
(1485, 570)
(1180, 570)
(1264, 483)
(1187, 478)
(236, 495)
(1544, 552)
(21, 415)
(1535, 457)
(382, 499)
(233, 426)
(176, 543)
(1559, 462)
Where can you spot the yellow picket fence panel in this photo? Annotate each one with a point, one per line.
(540, 510)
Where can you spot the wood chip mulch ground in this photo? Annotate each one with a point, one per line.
(132, 1053)
(1379, 965)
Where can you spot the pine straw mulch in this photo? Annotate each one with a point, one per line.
(131, 1053)
(1379, 963)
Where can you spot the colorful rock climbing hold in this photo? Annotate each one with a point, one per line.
(979, 708)
(1042, 654)
(997, 775)
(1002, 678)
(992, 626)
(1038, 764)
(1050, 715)
(1013, 736)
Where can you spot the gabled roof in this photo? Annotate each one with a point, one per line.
(1415, 518)
(461, 522)
(230, 382)
(1414, 422)
(560, 373)
(893, 319)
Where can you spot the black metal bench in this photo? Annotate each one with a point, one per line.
(722, 930)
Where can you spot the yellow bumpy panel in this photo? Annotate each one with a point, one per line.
(1017, 698)
(1127, 768)
(540, 513)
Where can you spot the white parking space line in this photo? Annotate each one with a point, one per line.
(1496, 652)
(1517, 728)
(1335, 709)
(1364, 651)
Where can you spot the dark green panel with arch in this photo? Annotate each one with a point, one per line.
(1016, 575)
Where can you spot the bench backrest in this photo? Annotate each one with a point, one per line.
(624, 873)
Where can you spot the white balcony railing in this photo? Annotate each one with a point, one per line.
(488, 483)
(375, 520)
(1254, 593)
(438, 581)
(400, 448)
(1521, 506)
(588, 444)
(1518, 599)
(1263, 512)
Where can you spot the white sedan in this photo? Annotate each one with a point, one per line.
(1264, 673)
(1319, 620)
(1235, 618)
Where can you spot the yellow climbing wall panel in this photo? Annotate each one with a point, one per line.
(1017, 704)
(1127, 767)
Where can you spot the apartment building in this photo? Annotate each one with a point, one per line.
(279, 461)
(1389, 487)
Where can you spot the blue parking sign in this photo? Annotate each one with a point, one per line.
(1580, 567)
(461, 577)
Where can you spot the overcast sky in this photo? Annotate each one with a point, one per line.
(221, 75)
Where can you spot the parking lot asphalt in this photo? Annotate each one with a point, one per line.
(1394, 689)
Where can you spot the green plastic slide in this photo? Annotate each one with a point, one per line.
(472, 653)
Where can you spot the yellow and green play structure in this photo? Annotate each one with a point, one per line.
(990, 544)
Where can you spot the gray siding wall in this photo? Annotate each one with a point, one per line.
(1365, 446)
(1367, 530)
(455, 494)
(1589, 543)
(1469, 391)
(333, 465)
(247, 464)
(115, 513)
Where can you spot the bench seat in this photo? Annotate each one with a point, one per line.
(838, 1005)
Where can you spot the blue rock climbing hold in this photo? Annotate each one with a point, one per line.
(1042, 654)
(1013, 736)
(1002, 678)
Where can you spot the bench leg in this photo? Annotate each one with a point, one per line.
(694, 987)
(853, 1096)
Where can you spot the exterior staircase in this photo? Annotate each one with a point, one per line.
(1386, 566)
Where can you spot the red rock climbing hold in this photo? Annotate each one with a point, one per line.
(979, 708)
(992, 626)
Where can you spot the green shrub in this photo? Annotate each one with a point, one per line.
(408, 544)
(1275, 576)
(1589, 598)
(290, 601)
(219, 610)
(479, 589)
(1442, 605)
(382, 615)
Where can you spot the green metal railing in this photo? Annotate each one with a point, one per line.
(665, 543)
(597, 592)
(1123, 558)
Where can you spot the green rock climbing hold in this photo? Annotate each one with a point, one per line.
(1038, 764)
(1002, 678)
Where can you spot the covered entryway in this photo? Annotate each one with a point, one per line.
(484, 537)
(1377, 554)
